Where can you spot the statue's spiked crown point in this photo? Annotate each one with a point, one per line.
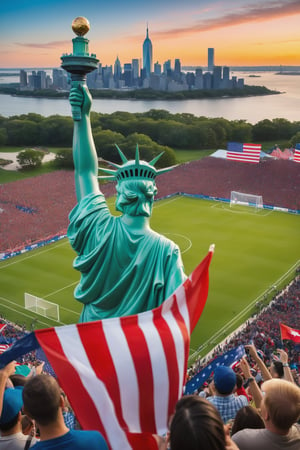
(134, 169)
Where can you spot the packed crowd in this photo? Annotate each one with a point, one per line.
(42, 203)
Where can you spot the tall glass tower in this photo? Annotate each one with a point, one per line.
(147, 55)
(210, 59)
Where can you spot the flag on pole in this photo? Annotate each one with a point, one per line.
(227, 359)
(297, 153)
(289, 333)
(237, 151)
(123, 376)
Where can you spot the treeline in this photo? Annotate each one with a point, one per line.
(154, 131)
(147, 94)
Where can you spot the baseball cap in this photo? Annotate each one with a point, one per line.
(224, 379)
(12, 404)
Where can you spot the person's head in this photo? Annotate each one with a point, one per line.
(136, 197)
(276, 369)
(224, 380)
(239, 380)
(42, 399)
(247, 417)
(11, 409)
(196, 425)
(280, 405)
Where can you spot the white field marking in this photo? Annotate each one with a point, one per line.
(61, 289)
(19, 260)
(231, 210)
(23, 313)
(241, 313)
(162, 202)
(189, 242)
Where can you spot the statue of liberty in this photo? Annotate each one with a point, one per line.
(125, 266)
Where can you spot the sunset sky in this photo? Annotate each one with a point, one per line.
(36, 33)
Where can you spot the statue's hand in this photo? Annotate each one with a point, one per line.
(80, 100)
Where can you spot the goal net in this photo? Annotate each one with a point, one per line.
(240, 198)
(41, 306)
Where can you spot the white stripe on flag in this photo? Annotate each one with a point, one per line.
(182, 305)
(70, 340)
(159, 370)
(120, 352)
(178, 338)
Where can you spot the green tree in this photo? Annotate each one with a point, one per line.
(22, 132)
(3, 136)
(64, 158)
(30, 158)
(295, 140)
(265, 130)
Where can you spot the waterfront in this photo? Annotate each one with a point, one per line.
(250, 109)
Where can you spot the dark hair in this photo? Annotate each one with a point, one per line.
(196, 425)
(278, 367)
(18, 379)
(41, 396)
(247, 417)
(7, 426)
(239, 380)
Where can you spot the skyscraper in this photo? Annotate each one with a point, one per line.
(147, 55)
(210, 59)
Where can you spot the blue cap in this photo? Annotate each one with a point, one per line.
(12, 404)
(224, 379)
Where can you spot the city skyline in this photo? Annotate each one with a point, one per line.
(247, 32)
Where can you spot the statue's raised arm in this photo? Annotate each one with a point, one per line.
(84, 152)
(125, 267)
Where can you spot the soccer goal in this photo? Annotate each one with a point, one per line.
(41, 306)
(240, 198)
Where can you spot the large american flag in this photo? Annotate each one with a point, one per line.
(123, 376)
(297, 153)
(249, 153)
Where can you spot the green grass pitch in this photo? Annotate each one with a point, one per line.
(254, 250)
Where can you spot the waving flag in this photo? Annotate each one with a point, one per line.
(297, 153)
(227, 359)
(289, 333)
(243, 152)
(123, 376)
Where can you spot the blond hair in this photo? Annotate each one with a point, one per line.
(282, 402)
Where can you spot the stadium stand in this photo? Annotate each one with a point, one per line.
(42, 203)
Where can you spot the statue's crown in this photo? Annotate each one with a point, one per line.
(134, 169)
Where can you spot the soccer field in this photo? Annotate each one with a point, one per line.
(256, 252)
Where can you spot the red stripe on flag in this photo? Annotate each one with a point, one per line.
(142, 363)
(69, 380)
(197, 291)
(297, 155)
(167, 340)
(94, 341)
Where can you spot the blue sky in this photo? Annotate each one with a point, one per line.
(243, 32)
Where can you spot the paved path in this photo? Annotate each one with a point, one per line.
(12, 156)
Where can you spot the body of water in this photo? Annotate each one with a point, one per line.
(251, 109)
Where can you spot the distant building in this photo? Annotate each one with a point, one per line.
(147, 55)
(210, 59)
(23, 79)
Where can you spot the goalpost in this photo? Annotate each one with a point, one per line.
(41, 306)
(240, 198)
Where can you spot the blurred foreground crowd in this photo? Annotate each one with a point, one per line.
(254, 404)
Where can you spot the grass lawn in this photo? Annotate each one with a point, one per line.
(254, 249)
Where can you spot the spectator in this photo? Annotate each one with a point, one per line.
(12, 437)
(228, 404)
(280, 410)
(247, 417)
(197, 425)
(44, 403)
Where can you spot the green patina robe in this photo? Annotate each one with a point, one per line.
(124, 271)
